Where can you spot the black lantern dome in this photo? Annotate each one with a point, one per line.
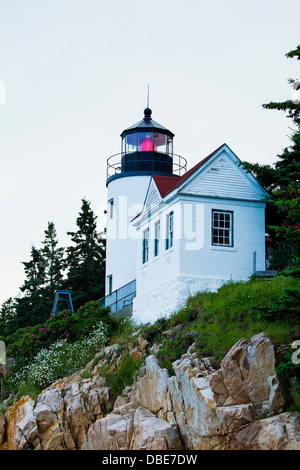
(147, 149)
(147, 124)
(147, 146)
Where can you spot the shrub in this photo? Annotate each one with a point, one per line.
(27, 342)
(289, 375)
(285, 309)
(288, 368)
(295, 398)
(292, 273)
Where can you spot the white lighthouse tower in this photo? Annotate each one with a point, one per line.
(146, 150)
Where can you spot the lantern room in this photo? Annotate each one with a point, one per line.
(147, 136)
(146, 149)
(147, 146)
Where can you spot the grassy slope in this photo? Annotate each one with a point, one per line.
(216, 321)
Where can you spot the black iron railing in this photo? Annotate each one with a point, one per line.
(115, 163)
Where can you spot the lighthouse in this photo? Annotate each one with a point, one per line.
(172, 233)
(146, 150)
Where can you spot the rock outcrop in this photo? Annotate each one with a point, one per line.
(237, 407)
(2, 428)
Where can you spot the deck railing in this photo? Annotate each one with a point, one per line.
(119, 298)
(114, 164)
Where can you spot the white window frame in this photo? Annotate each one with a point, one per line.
(170, 230)
(156, 238)
(145, 250)
(222, 228)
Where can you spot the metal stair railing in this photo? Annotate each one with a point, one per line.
(119, 298)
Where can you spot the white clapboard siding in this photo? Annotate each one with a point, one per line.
(153, 197)
(224, 179)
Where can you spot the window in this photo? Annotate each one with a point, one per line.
(159, 141)
(111, 208)
(131, 143)
(109, 283)
(145, 246)
(222, 228)
(169, 145)
(156, 238)
(170, 230)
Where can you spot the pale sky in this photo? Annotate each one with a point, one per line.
(75, 74)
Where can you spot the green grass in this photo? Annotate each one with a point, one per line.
(123, 375)
(238, 310)
(31, 389)
(124, 332)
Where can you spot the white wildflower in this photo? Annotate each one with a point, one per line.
(60, 358)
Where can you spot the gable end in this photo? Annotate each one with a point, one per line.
(224, 178)
(153, 197)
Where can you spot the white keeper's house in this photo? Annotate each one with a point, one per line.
(171, 232)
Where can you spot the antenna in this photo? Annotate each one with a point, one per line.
(148, 96)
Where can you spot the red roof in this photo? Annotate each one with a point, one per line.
(166, 184)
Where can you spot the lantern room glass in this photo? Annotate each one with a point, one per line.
(147, 142)
(160, 142)
(169, 146)
(131, 143)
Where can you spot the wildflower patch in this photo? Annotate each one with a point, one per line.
(27, 342)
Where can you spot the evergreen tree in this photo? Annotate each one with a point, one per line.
(44, 275)
(86, 259)
(31, 307)
(53, 259)
(282, 182)
(291, 107)
(8, 317)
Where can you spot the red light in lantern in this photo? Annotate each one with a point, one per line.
(147, 145)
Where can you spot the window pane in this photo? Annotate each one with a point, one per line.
(157, 233)
(145, 141)
(145, 246)
(171, 222)
(157, 237)
(160, 142)
(131, 143)
(169, 238)
(169, 145)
